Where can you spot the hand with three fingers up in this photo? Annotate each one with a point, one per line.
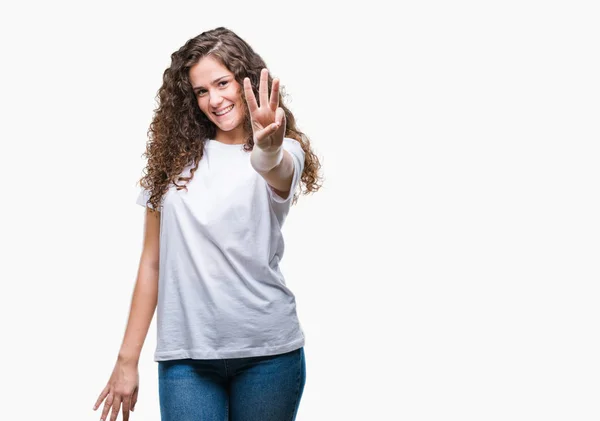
(268, 123)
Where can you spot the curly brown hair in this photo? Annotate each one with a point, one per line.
(179, 128)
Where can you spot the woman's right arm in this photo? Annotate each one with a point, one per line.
(123, 385)
(145, 294)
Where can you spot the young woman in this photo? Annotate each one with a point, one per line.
(225, 163)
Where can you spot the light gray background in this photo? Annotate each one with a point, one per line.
(448, 269)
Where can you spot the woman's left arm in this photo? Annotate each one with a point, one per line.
(280, 177)
(268, 157)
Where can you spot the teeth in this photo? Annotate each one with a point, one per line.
(225, 110)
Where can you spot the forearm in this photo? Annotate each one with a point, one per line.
(280, 176)
(143, 305)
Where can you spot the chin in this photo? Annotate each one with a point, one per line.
(227, 126)
(230, 125)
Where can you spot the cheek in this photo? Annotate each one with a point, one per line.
(241, 109)
(241, 101)
(203, 105)
(238, 94)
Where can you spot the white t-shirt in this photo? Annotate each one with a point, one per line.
(221, 293)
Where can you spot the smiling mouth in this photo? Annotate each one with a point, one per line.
(225, 111)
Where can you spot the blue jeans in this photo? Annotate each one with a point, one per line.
(266, 388)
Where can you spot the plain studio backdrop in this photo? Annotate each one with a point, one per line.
(447, 270)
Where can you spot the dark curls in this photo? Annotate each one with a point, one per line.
(178, 129)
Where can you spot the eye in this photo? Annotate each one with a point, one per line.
(201, 92)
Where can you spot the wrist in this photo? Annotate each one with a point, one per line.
(264, 161)
(128, 358)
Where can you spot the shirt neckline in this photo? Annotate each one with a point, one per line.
(216, 144)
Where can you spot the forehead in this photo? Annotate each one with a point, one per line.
(206, 71)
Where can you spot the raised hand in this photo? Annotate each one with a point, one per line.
(268, 119)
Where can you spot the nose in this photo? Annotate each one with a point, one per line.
(215, 100)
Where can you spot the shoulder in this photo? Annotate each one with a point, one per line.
(292, 145)
(290, 141)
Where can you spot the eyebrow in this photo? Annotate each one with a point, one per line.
(195, 88)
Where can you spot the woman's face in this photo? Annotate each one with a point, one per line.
(218, 94)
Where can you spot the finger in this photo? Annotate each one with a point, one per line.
(256, 126)
(101, 397)
(267, 131)
(249, 94)
(126, 402)
(107, 405)
(274, 103)
(263, 88)
(115, 408)
(280, 116)
(134, 398)
(281, 122)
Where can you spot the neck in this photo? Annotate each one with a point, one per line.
(232, 137)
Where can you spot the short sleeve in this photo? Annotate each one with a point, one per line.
(295, 150)
(143, 197)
